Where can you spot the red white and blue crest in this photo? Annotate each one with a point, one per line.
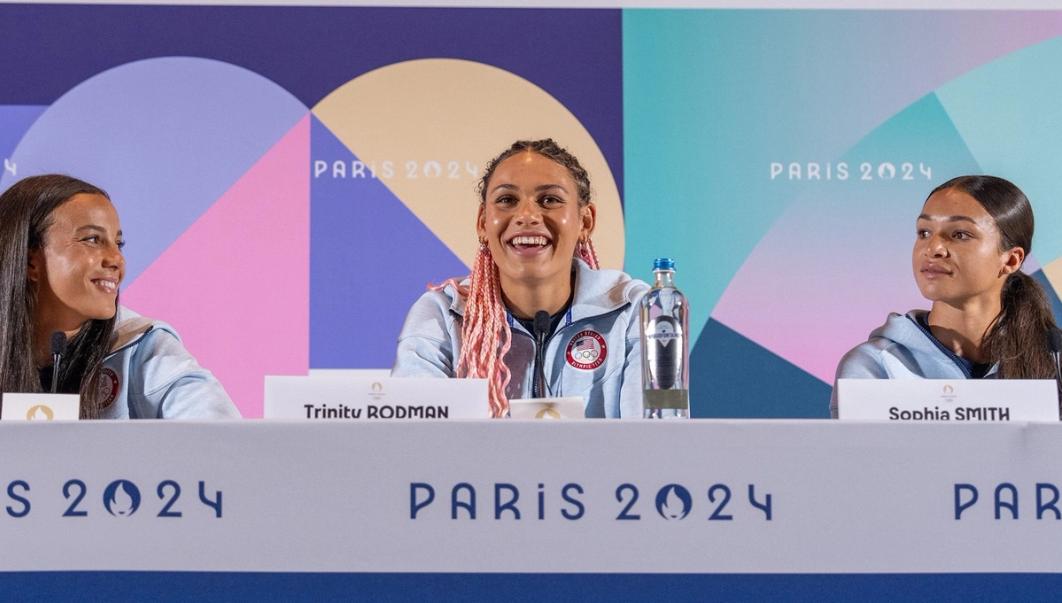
(587, 350)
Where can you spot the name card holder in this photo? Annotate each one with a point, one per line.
(571, 408)
(959, 401)
(346, 398)
(40, 407)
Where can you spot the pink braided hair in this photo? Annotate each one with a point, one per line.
(485, 334)
(585, 251)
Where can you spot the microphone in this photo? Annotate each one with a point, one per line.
(1054, 343)
(58, 347)
(541, 324)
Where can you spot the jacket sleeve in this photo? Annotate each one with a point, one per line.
(631, 393)
(863, 362)
(631, 403)
(168, 383)
(425, 345)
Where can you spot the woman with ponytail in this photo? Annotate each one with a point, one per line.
(988, 319)
(61, 265)
(535, 258)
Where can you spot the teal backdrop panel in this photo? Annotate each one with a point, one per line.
(1010, 114)
(781, 157)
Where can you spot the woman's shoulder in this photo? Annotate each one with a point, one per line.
(442, 299)
(900, 338)
(614, 287)
(632, 288)
(131, 329)
(149, 348)
(435, 314)
(161, 377)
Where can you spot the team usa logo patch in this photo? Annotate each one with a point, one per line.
(108, 386)
(587, 350)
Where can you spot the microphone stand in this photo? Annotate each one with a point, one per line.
(58, 347)
(1054, 342)
(542, 320)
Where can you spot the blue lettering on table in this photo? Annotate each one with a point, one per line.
(672, 502)
(1005, 501)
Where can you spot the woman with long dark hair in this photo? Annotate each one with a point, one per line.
(534, 225)
(61, 266)
(988, 318)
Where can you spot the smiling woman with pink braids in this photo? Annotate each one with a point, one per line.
(536, 317)
(61, 266)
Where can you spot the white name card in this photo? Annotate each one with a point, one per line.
(963, 400)
(41, 407)
(547, 408)
(345, 398)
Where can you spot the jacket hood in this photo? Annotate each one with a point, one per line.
(596, 291)
(905, 330)
(132, 327)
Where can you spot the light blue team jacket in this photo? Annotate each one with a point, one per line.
(901, 349)
(150, 375)
(604, 309)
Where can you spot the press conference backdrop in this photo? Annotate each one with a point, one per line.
(290, 179)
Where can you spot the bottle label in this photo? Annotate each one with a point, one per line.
(673, 399)
(586, 351)
(663, 351)
(663, 330)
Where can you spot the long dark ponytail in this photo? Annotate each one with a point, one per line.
(25, 215)
(1018, 339)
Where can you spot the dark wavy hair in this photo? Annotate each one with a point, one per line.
(25, 216)
(1019, 337)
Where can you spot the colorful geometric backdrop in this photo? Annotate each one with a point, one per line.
(290, 179)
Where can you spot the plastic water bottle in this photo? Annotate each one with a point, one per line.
(665, 347)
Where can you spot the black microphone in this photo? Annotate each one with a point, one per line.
(542, 320)
(1054, 343)
(58, 347)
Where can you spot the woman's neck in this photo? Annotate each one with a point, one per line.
(524, 300)
(962, 327)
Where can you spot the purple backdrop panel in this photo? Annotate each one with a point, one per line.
(165, 137)
(576, 55)
(14, 121)
(365, 246)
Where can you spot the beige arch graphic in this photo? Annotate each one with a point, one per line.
(1053, 272)
(429, 116)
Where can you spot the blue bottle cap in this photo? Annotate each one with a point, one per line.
(663, 264)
